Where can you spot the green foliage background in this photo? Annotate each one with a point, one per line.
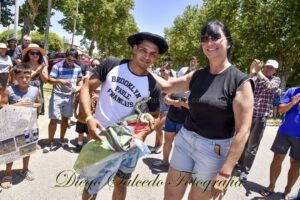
(55, 42)
(262, 29)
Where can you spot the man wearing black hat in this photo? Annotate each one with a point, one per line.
(123, 84)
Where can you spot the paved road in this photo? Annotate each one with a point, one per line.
(52, 171)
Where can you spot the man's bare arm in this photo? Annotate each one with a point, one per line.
(283, 108)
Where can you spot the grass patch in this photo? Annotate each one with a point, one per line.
(47, 90)
(274, 121)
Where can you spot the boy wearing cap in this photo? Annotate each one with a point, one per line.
(121, 89)
(266, 85)
(5, 65)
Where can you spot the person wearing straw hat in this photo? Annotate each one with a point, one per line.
(33, 55)
(5, 65)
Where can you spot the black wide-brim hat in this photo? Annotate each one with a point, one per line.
(156, 39)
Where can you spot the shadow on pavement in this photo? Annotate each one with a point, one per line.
(56, 144)
(16, 177)
(154, 169)
(252, 187)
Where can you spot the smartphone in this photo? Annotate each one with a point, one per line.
(217, 149)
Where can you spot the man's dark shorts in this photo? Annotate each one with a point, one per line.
(3, 80)
(123, 175)
(283, 143)
(81, 127)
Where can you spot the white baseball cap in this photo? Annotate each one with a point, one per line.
(3, 46)
(272, 63)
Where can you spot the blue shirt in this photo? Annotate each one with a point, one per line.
(290, 125)
(62, 71)
(15, 94)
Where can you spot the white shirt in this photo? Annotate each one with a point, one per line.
(5, 64)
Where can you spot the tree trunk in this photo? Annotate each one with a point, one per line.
(26, 27)
(29, 18)
(92, 47)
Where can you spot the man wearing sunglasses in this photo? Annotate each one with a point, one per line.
(66, 78)
(83, 66)
(266, 85)
(121, 90)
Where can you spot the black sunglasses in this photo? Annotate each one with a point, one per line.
(34, 53)
(214, 38)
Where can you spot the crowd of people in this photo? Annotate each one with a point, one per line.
(215, 114)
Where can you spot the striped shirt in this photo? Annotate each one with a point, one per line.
(62, 71)
(264, 94)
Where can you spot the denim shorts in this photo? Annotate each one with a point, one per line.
(121, 167)
(171, 126)
(60, 105)
(197, 155)
(283, 143)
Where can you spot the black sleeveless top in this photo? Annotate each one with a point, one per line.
(175, 114)
(211, 102)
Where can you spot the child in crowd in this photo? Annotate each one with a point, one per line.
(81, 126)
(5, 65)
(20, 94)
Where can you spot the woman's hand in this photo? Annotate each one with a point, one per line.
(219, 187)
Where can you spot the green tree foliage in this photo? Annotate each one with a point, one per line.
(29, 12)
(33, 15)
(261, 29)
(6, 14)
(271, 29)
(8, 34)
(55, 42)
(106, 22)
(183, 37)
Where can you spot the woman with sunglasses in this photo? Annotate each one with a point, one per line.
(217, 126)
(33, 56)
